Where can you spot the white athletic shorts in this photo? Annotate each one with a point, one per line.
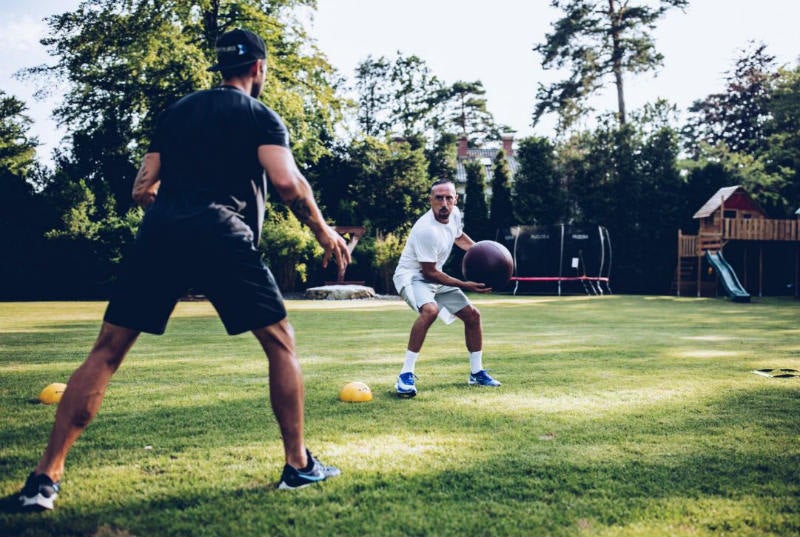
(450, 300)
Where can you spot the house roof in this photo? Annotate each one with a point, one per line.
(486, 157)
(715, 201)
(481, 152)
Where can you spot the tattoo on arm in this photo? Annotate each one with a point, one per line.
(145, 178)
(300, 208)
(140, 177)
(145, 186)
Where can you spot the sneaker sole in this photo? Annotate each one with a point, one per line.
(404, 394)
(283, 485)
(475, 383)
(38, 502)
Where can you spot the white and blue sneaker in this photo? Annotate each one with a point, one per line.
(405, 385)
(482, 378)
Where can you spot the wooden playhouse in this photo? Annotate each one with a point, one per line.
(761, 255)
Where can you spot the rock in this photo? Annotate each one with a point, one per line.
(340, 292)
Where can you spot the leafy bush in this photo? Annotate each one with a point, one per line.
(287, 247)
(387, 253)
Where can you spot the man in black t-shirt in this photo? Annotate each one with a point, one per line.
(203, 185)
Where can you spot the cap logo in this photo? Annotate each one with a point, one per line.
(239, 49)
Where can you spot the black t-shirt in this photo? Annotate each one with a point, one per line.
(208, 144)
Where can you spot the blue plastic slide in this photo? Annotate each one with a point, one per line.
(728, 277)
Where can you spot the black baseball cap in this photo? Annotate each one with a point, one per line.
(238, 47)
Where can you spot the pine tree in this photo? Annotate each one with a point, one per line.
(476, 220)
(597, 39)
(501, 213)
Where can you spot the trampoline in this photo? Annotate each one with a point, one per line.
(560, 258)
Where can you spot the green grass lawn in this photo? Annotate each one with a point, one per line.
(618, 416)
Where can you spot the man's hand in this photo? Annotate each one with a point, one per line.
(145, 196)
(476, 287)
(335, 247)
(433, 274)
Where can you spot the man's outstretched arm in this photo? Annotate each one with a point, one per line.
(296, 192)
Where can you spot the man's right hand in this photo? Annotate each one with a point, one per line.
(476, 287)
(335, 247)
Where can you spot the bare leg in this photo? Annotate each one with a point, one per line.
(84, 394)
(427, 316)
(286, 390)
(473, 330)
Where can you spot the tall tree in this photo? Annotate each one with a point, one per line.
(17, 147)
(389, 187)
(24, 217)
(469, 112)
(402, 97)
(661, 204)
(501, 212)
(416, 88)
(442, 157)
(738, 115)
(374, 95)
(332, 177)
(538, 194)
(625, 177)
(476, 211)
(595, 40)
(783, 135)
(749, 132)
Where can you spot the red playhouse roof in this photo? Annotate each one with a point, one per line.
(734, 197)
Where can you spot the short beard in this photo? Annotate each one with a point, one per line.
(255, 89)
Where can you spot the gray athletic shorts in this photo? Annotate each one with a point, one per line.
(450, 300)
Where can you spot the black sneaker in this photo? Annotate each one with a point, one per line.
(292, 478)
(39, 493)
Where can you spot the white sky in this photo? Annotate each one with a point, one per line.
(473, 40)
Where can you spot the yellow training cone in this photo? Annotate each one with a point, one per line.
(355, 392)
(52, 393)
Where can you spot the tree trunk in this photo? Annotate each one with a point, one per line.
(620, 93)
(616, 55)
(211, 27)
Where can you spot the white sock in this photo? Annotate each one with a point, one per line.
(411, 359)
(475, 361)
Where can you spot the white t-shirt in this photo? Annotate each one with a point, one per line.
(430, 241)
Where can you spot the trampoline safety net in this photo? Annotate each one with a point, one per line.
(559, 259)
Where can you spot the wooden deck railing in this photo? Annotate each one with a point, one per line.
(761, 229)
(757, 229)
(708, 241)
(687, 245)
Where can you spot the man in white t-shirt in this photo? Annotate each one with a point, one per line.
(432, 293)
